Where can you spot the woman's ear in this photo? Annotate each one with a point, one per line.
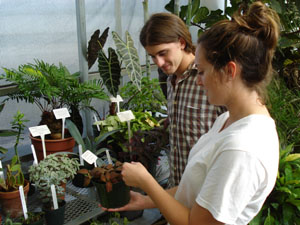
(231, 70)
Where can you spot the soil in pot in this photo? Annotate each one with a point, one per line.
(11, 203)
(111, 189)
(57, 216)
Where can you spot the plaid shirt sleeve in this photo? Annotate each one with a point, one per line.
(190, 116)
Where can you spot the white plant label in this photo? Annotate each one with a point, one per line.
(54, 198)
(35, 161)
(22, 196)
(80, 155)
(1, 172)
(118, 99)
(125, 116)
(95, 118)
(89, 157)
(61, 113)
(39, 130)
(108, 157)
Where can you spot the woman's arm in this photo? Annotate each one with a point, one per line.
(136, 175)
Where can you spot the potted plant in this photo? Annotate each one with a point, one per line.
(55, 169)
(112, 190)
(9, 187)
(33, 218)
(51, 87)
(83, 177)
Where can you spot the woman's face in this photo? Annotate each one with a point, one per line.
(209, 78)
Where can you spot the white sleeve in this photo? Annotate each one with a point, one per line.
(231, 182)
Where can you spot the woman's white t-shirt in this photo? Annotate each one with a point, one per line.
(230, 173)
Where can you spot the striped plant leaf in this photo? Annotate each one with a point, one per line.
(110, 70)
(129, 57)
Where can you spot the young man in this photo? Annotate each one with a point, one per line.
(168, 41)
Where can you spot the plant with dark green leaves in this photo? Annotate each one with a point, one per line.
(149, 98)
(283, 204)
(51, 87)
(89, 143)
(14, 174)
(284, 107)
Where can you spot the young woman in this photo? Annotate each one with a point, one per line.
(232, 169)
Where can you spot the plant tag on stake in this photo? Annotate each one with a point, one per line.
(118, 99)
(22, 196)
(53, 192)
(1, 172)
(95, 118)
(35, 161)
(90, 157)
(80, 155)
(127, 116)
(41, 131)
(62, 113)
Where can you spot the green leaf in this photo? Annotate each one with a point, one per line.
(75, 133)
(195, 6)
(287, 213)
(3, 150)
(130, 58)
(110, 70)
(7, 133)
(276, 6)
(201, 14)
(102, 137)
(269, 219)
(292, 157)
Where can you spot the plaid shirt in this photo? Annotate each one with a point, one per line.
(190, 116)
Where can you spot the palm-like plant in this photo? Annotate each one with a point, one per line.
(51, 87)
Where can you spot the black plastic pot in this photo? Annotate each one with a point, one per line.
(57, 216)
(79, 179)
(118, 197)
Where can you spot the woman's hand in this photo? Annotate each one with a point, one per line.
(134, 174)
(137, 202)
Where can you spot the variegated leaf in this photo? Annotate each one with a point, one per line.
(129, 57)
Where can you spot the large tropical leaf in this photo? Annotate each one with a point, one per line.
(95, 44)
(130, 58)
(110, 70)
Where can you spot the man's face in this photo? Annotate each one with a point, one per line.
(167, 56)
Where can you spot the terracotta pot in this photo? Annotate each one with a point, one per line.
(52, 146)
(11, 202)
